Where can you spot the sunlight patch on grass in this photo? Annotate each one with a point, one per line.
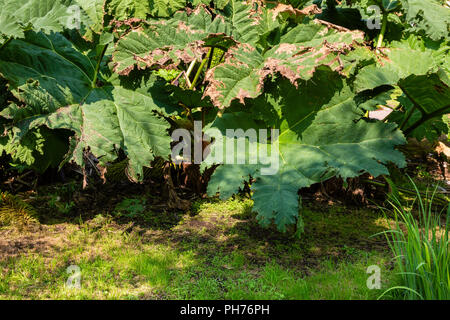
(218, 253)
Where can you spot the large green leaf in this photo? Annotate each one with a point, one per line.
(93, 14)
(40, 149)
(37, 101)
(439, 51)
(188, 34)
(56, 83)
(427, 97)
(420, 73)
(127, 122)
(165, 8)
(245, 23)
(218, 4)
(428, 16)
(50, 15)
(141, 9)
(161, 44)
(46, 15)
(125, 9)
(44, 72)
(185, 36)
(53, 61)
(322, 134)
(8, 26)
(430, 92)
(398, 63)
(299, 53)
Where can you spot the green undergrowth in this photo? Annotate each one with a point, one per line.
(216, 251)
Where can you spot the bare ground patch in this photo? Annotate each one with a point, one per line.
(41, 239)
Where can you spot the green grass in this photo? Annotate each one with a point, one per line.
(420, 245)
(272, 281)
(217, 252)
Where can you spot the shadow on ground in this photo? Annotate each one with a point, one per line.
(215, 250)
(211, 226)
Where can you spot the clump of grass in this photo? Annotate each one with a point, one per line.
(421, 250)
(15, 212)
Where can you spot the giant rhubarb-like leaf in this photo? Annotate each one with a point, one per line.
(53, 61)
(93, 17)
(398, 63)
(127, 122)
(50, 15)
(166, 42)
(299, 53)
(188, 34)
(141, 9)
(63, 95)
(322, 134)
(428, 16)
(46, 15)
(425, 86)
(427, 97)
